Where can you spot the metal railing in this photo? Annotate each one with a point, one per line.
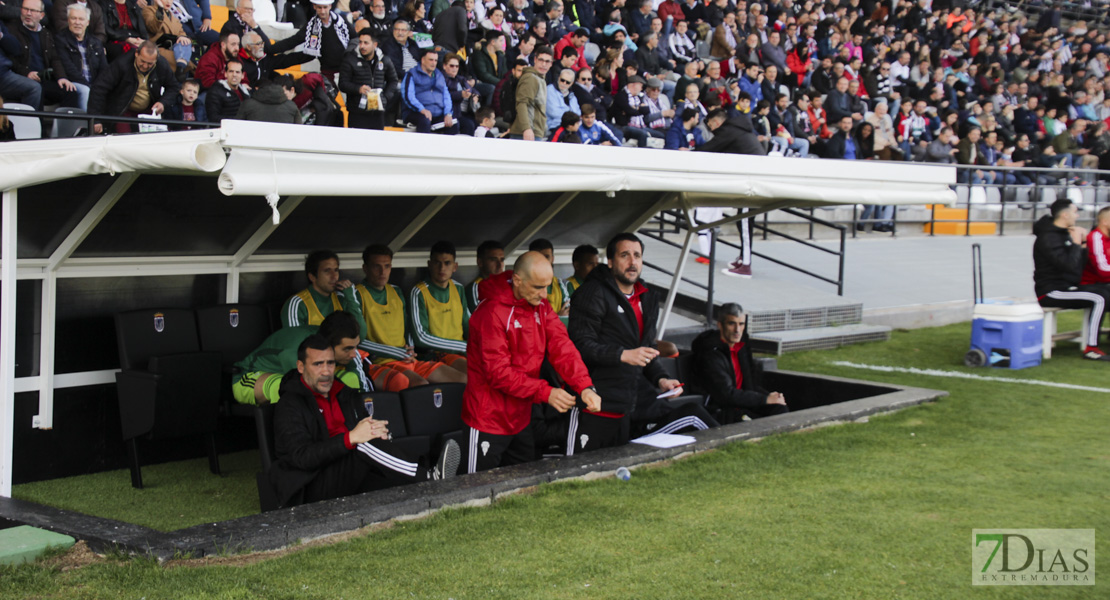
(673, 222)
(91, 120)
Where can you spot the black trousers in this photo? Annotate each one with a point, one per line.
(371, 466)
(489, 451)
(688, 416)
(366, 119)
(735, 414)
(1095, 296)
(587, 431)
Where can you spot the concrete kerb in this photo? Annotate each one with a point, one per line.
(286, 527)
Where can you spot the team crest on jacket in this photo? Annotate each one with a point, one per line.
(582, 439)
(516, 323)
(485, 448)
(233, 317)
(159, 322)
(437, 398)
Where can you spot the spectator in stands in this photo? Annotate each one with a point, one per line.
(272, 103)
(345, 452)
(124, 25)
(735, 135)
(197, 20)
(165, 30)
(380, 25)
(489, 65)
(886, 139)
(584, 259)
(681, 47)
(751, 82)
(1096, 269)
(613, 325)
(258, 66)
(241, 21)
(382, 309)
(1059, 256)
(401, 50)
(725, 38)
(213, 64)
(594, 131)
(39, 60)
(587, 92)
(504, 366)
(13, 86)
(531, 99)
(633, 110)
(725, 371)
(225, 98)
(326, 37)
(576, 39)
(941, 150)
(464, 97)
(369, 81)
(136, 83)
(560, 100)
(1068, 144)
(324, 295)
(843, 144)
(94, 13)
(684, 133)
(449, 28)
(969, 153)
(437, 311)
(82, 55)
(491, 261)
(557, 294)
(185, 107)
(426, 101)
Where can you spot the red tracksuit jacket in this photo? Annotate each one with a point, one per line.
(509, 340)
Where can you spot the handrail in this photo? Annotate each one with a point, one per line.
(92, 119)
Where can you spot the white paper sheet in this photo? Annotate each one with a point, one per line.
(664, 440)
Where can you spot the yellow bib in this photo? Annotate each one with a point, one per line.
(315, 317)
(572, 285)
(385, 324)
(444, 318)
(555, 294)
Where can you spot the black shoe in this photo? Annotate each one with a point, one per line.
(448, 463)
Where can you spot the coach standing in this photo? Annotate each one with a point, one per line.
(511, 332)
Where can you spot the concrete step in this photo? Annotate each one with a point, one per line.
(817, 338)
(24, 544)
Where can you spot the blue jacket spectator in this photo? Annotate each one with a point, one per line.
(752, 87)
(557, 104)
(680, 137)
(422, 91)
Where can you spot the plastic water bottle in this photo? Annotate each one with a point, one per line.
(624, 474)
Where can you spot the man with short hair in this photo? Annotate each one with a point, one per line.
(324, 294)
(364, 70)
(379, 22)
(401, 49)
(326, 37)
(225, 98)
(260, 371)
(1067, 144)
(584, 259)
(426, 101)
(382, 308)
(513, 332)
(213, 64)
(576, 39)
(1059, 257)
(613, 325)
(684, 133)
(842, 145)
(491, 261)
(437, 314)
(594, 131)
(39, 59)
(132, 85)
(531, 99)
(724, 369)
(557, 294)
(1097, 267)
(327, 444)
(241, 22)
(82, 55)
(94, 18)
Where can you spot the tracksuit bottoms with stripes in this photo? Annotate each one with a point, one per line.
(1095, 296)
(373, 465)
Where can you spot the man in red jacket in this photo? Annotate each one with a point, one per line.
(1097, 267)
(511, 333)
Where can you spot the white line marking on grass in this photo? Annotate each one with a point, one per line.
(959, 375)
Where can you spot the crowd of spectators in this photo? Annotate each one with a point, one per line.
(940, 81)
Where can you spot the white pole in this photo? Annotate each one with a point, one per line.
(7, 341)
(691, 233)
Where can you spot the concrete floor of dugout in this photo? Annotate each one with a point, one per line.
(906, 281)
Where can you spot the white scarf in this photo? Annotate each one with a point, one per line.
(314, 34)
(179, 11)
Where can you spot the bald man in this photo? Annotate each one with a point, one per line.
(511, 333)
